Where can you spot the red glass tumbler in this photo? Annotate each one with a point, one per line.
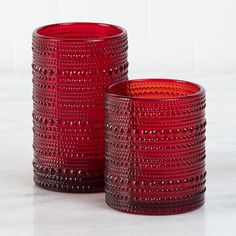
(155, 146)
(73, 64)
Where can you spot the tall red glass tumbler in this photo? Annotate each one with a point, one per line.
(73, 63)
(155, 146)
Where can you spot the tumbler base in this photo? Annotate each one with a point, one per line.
(67, 182)
(143, 209)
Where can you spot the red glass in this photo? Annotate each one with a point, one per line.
(155, 146)
(73, 64)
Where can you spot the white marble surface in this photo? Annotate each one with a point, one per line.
(28, 210)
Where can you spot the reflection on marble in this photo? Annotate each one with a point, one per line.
(29, 210)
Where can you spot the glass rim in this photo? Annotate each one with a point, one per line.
(201, 91)
(86, 39)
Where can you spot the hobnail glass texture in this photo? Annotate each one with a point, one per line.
(155, 146)
(73, 64)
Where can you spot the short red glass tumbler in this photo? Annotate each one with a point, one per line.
(73, 64)
(155, 146)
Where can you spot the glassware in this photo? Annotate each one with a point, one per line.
(155, 146)
(73, 64)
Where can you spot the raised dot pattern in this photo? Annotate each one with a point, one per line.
(155, 147)
(72, 66)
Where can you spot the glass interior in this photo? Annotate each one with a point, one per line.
(154, 88)
(79, 31)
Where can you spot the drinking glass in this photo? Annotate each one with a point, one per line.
(155, 146)
(73, 64)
